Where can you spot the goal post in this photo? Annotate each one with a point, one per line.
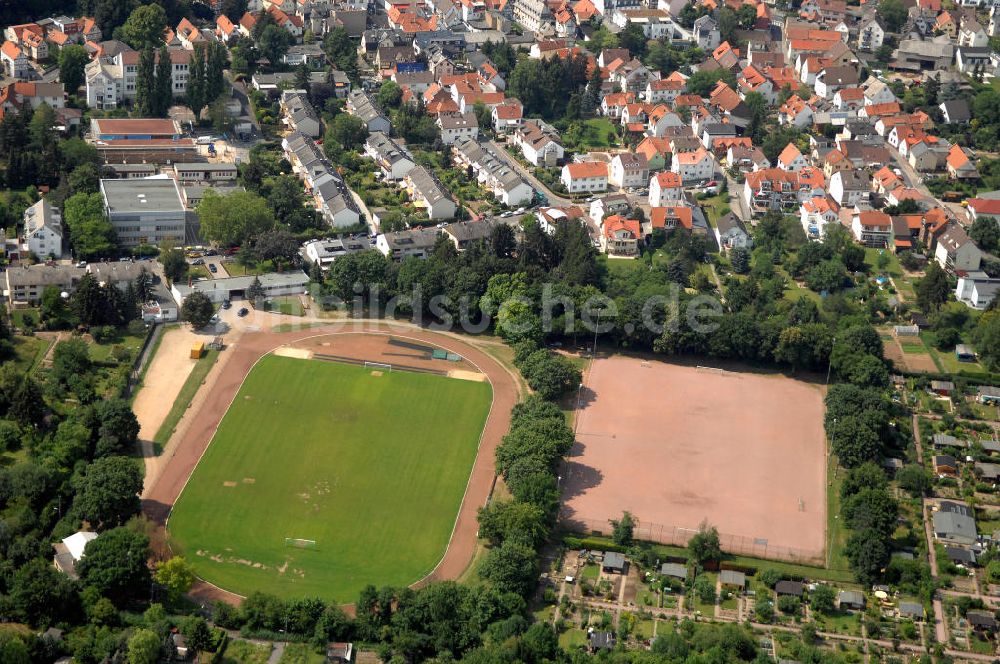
(378, 365)
(299, 543)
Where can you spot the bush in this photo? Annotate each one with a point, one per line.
(788, 605)
(104, 334)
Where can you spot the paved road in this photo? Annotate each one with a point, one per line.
(554, 199)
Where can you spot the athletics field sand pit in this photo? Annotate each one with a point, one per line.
(680, 445)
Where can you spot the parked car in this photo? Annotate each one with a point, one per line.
(226, 304)
(212, 268)
(242, 312)
(198, 261)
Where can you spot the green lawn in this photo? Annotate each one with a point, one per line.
(715, 207)
(594, 134)
(301, 653)
(130, 342)
(373, 468)
(244, 652)
(290, 306)
(29, 352)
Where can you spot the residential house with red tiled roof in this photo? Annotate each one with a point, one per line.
(960, 165)
(849, 99)
(777, 189)
(247, 22)
(665, 90)
(836, 161)
(655, 150)
(871, 228)
(746, 158)
(588, 176)
(693, 167)
(620, 237)
(507, 116)
(614, 103)
(977, 208)
(225, 29)
(664, 187)
(791, 159)
(885, 180)
(15, 61)
(753, 80)
(795, 112)
(669, 217)
(816, 214)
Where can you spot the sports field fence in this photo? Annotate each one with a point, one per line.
(740, 545)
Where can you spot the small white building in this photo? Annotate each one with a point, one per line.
(70, 551)
(977, 291)
(43, 231)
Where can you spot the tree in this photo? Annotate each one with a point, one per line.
(853, 441)
(739, 258)
(868, 475)
(145, 82)
(871, 508)
(728, 24)
(278, 246)
(827, 276)
(914, 478)
(634, 39)
(72, 60)
(234, 218)
(255, 291)
(175, 265)
(868, 554)
(701, 83)
(41, 595)
(196, 86)
(113, 427)
(91, 235)
(163, 87)
(274, 42)
(348, 131)
(176, 576)
(234, 9)
(501, 520)
(115, 564)
(510, 567)
(822, 599)
(390, 95)
(144, 647)
(214, 71)
(623, 529)
(84, 179)
(107, 493)
(985, 232)
(145, 27)
(197, 310)
(704, 545)
(933, 289)
(894, 13)
(198, 634)
(550, 375)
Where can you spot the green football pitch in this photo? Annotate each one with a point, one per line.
(372, 468)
